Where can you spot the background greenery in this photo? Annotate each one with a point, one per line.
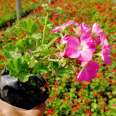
(8, 9)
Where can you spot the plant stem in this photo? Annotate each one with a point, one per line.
(51, 42)
(43, 37)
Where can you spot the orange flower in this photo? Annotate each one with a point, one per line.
(13, 38)
(1, 34)
(34, 1)
(114, 55)
(76, 107)
(95, 94)
(54, 16)
(50, 111)
(64, 101)
(88, 112)
(114, 70)
(2, 58)
(99, 75)
(38, 10)
(114, 23)
(114, 105)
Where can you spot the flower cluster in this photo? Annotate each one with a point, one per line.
(83, 45)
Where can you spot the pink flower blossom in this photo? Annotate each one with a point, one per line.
(105, 52)
(89, 40)
(101, 37)
(84, 28)
(96, 29)
(81, 29)
(83, 45)
(62, 27)
(88, 72)
(76, 48)
(71, 49)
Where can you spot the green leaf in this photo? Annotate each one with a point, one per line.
(7, 53)
(18, 67)
(29, 26)
(10, 47)
(34, 28)
(39, 68)
(112, 104)
(23, 77)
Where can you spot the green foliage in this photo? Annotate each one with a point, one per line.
(28, 55)
(29, 26)
(99, 85)
(25, 44)
(8, 9)
(18, 68)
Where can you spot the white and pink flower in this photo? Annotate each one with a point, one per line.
(82, 47)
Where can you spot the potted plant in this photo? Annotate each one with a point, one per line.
(38, 54)
(21, 81)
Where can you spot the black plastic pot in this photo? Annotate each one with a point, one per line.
(23, 95)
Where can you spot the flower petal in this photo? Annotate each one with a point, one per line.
(62, 27)
(103, 39)
(96, 29)
(86, 38)
(106, 54)
(57, 29)
(86, 55)
(71, 50)
(71, 53)
(84, 28)
(88, 72)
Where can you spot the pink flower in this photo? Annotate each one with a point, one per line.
(101, 37)
(96, 29)
(62, 27)
(76, 48)
(89, 40)
(72, 44)
(84, 28)
(83, 45)
(81, 29)
(105, 53)
(88, 72)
